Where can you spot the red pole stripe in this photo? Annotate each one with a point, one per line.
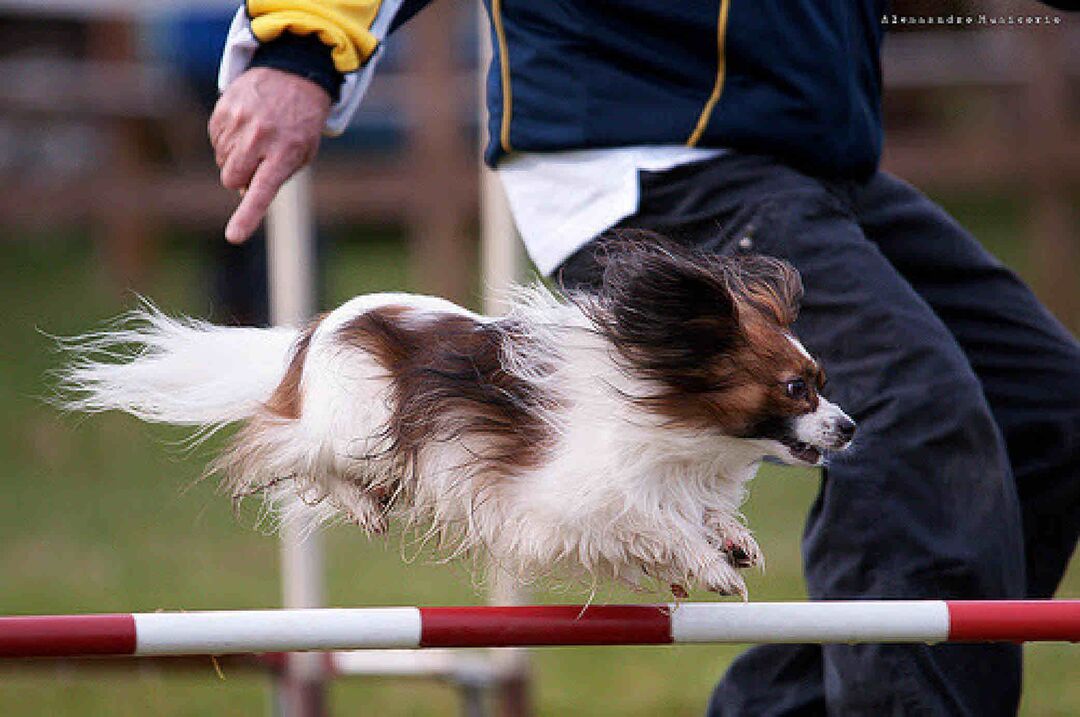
(544, 625)
(67, 635)
(1014, 620)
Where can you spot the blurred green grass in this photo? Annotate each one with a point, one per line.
(106, 514)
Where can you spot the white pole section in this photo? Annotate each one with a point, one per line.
(850, 621)
(291, 259)
(226, 632)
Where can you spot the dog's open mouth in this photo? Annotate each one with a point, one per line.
(803, 452)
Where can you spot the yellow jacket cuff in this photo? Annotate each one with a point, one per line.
(342, 25)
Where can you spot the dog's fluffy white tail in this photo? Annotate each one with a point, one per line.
(179, 371)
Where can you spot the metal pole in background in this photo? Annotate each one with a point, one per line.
(501, 256)
(301, 690)
(502, 264)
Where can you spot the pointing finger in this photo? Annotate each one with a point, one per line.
(268, 178)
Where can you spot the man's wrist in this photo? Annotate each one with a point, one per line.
(302, 55)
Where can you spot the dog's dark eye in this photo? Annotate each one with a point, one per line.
(796, 388)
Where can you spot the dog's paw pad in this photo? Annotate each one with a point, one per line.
(741, 550)
(738, 555)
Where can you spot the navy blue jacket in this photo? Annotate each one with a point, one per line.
(799, 80)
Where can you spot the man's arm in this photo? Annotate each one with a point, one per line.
(291, 69)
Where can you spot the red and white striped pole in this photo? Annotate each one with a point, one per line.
(253, 631)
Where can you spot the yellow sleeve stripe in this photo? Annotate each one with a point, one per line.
(343, 25)
(718, 87)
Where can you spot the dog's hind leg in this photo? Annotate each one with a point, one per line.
(365, 506)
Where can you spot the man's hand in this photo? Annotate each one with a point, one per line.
(266, 126)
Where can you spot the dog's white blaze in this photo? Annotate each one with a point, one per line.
(802, 349)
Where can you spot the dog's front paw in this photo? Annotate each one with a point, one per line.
(723, 579)
(734, 541)
(742, 551)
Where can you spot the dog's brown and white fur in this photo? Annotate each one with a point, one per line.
(608, 434)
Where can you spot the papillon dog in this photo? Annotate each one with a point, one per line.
(604, 434)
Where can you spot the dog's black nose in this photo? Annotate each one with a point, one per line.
(846, 428)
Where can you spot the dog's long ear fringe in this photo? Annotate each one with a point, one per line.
(642, 266)
(644, 270)
(770, 285)
(666, 308)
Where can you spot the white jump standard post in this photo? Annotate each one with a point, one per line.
(291, 258)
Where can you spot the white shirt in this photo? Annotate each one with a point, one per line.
(561, 200)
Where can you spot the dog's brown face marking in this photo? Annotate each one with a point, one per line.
(448, 384)
(712, 333)
(767, 378)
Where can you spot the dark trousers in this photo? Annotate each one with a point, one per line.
(965, 478)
